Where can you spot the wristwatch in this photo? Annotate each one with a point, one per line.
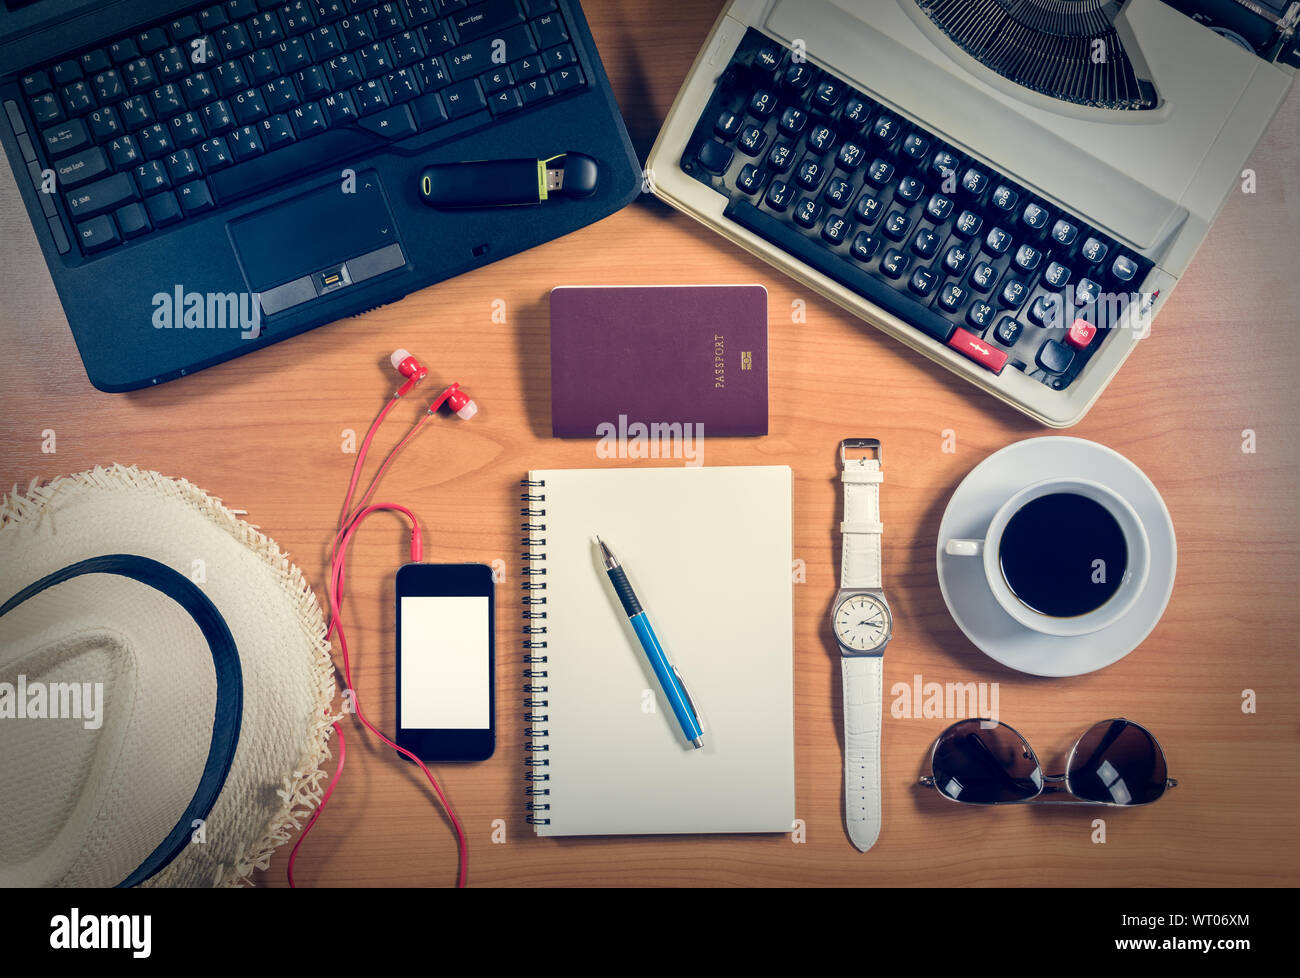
(863, 626)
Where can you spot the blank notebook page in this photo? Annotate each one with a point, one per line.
(708, 552)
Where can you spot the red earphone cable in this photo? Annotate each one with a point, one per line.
(350, 521)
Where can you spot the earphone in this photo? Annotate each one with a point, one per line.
(409, 367)
(464, 407)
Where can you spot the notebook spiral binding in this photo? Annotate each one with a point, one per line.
(535, 688)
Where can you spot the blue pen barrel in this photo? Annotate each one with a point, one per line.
(667, 679)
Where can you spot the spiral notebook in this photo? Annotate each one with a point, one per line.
(708, 551)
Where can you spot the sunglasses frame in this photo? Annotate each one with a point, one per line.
(1049, 783)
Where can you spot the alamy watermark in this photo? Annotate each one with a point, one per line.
(943, 701)
(683, 440)
(179, 309)
(53, 701)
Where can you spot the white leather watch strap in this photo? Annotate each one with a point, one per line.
(861, 529)
(863, 700)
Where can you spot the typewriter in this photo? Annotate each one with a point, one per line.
(1011, 187)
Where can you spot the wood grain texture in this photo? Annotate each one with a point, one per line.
(264, 433)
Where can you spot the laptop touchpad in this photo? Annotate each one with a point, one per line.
(319, 243)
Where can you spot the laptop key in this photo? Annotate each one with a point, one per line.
(123, 152)
(462, 99)
(245, 144)
(47, 108)
(184, 28)
(66, 72)
(171, 63)
(276, 131)
(105, 195)
(66, 137)
(167, 100)
(141, 76)
(488, 16)
(439, 37)
(501, 78)
(78, 97)
(214, 155)
(152, 40)
(136, 113)
(152, 177)
(478, 56)
(297, 18)
(548, 28)
(132, 221)
(530, 67)
(213, 17)
(505, 101)
(195, 198)
(249, 106)
(163, 209)
(97, 234)
(72, 171)
(428, 111)
(308, 120)
(392, 124)
(187, 129)
(35, 83)
(182, 166)
(217, 118)
(567, 79)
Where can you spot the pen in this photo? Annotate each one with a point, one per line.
(670, 680)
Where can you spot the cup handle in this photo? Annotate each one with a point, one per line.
(964, 548)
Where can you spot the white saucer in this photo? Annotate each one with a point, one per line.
(966, 591)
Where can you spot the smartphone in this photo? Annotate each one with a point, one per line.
(446, 661)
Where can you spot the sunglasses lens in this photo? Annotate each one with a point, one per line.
(985, 764)
(1119, 763)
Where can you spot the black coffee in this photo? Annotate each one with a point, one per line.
(1063, 554)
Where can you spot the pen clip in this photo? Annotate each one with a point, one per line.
(690, 700)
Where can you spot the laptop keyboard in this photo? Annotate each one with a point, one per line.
(234, 98)
(887, 208)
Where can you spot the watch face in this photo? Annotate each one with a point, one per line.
(862, 622)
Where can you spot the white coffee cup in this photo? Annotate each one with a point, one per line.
(1130, 586)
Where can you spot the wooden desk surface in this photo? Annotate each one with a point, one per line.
(264, 433)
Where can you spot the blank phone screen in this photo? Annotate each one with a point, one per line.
(445, 663)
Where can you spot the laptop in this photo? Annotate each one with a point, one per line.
(207, 179)
(1011, 187)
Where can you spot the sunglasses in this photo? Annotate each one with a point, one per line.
(985, 762)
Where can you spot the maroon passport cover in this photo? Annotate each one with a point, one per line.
(684, 354)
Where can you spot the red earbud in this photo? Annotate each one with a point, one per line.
(459, 402)
(408, 367)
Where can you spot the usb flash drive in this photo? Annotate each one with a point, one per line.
(507, 183)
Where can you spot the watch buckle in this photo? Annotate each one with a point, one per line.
(869, 444)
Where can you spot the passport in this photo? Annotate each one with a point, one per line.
(630, 356)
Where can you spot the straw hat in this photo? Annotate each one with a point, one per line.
(165, 686)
